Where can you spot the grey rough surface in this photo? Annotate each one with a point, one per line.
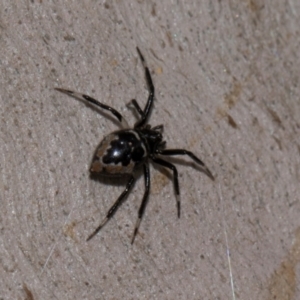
(227, 81)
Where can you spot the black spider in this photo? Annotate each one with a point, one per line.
(121, 152)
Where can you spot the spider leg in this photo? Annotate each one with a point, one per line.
(171, 152)
(89, 99)
(148, 106)
(168, 165)
(136, 106)
(133, 102)
(144, 201)
(115, 206)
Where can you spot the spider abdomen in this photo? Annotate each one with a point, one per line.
(119, 153)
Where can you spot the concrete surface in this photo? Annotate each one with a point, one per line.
(227, 81)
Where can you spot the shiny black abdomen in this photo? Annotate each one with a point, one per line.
(118, 153)
(126, 147)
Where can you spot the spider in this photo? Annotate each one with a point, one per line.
(122, 152)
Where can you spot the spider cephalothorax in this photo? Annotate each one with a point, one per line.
(121, 152)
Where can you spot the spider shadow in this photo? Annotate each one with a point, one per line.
(181, 162)
(121, 180)
(116, 180)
